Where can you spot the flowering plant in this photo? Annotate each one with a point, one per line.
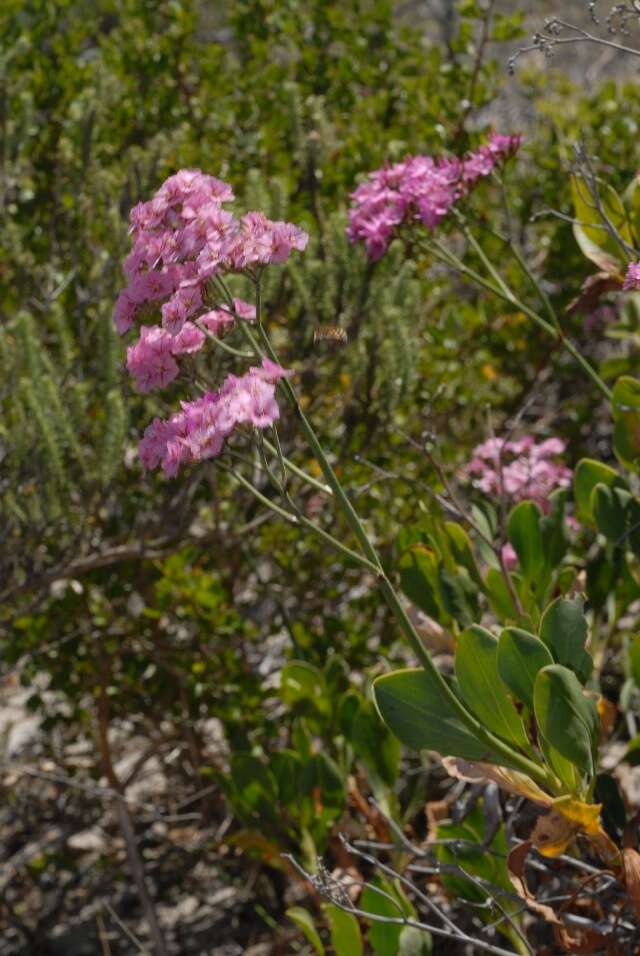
(522, 711)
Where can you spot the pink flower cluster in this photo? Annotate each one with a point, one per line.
(419, 189)
(151, 359)
(201, 428)
(632, 278)
(521, 469)
(182, 237)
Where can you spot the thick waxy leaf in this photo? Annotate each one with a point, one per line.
(609, 509)
(587, 475)
(304, 921)
(552, 525)
(462, 551)
(525, 534)
(384, 938)
(564, 770)
(413, 706)
(472, 855)
(565, 717)
(520, 656)
(418, 568)
(563, 629)
(481, 685)
(345, 931)
(303, 685)
(590, 230)
(626, 412)
(414, 942)
(374, 744)
(458, 596)
(499, 597)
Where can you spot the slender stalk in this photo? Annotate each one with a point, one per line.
(300, 519)
(223, 345)
(493, 743)
(445, 255)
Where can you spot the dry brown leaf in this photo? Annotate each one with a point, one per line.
(515, 865)
(436, 810)
(631, 864)
(510, 780)
(591, 291)
(553, 833)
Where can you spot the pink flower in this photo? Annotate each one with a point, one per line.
(150, 360)
(124, 312)
(201, 428)
(509, 556)
(182, 237)
(632, 278)
(188, 340)
(418, 189)
(520, 469)
(217, 321)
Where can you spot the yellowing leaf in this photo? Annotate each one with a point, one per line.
(553, 833)
(585, 815)
(510, 780)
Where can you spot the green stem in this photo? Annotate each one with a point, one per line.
(494, 744)
(300, 472)
(300, 519)
(445, 255)
(223, 345)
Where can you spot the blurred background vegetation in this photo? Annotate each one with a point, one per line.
(227, 655)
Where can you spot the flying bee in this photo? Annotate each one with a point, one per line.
(331, 333)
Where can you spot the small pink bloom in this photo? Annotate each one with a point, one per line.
(632, 278)
(124, 312)
(509, 556)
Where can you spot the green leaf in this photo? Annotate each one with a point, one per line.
(374, 744)
(525, 534)
(633, 654)
(481, 686)
(608, 506)
(462, 551)
(303, 686)
(345, 931)
(414, 707)
(414, 942)
(499, 597)
(565, 717)
(322, 789)
(552, 525)
(471, 854)
(590, 230)
(563, 629)
(254, 787)
(304, 921)
(520, 656)
(458, 596)
(285, 765)
(566, 772)
(384, 938)
(625, 406)
(587, 475)
(418, 568)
